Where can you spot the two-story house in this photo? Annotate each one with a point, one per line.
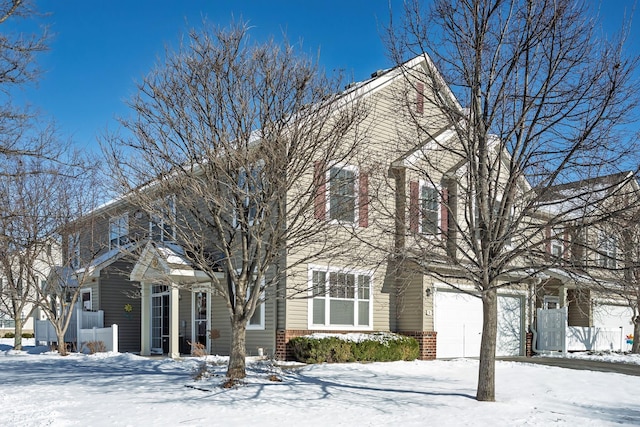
(375, 204)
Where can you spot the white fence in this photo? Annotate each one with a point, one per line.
(553, 334)
(84, 327)
(108, 336)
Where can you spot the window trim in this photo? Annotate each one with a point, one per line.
(83, 292)
(121, 239)
(607, 255)
(259, 214)
(261, 306)
(356, 194)
(327, 298)
(162, 222)
(73, 249)
(422, 185)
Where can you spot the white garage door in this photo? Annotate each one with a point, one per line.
(614, 322)
(458, 322)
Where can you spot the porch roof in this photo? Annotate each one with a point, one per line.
(168, 261)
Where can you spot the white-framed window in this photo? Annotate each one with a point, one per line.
(160, 225)
(551, 302)
(257, 321)
(73, 250)
(250, 183)
(607, 251)
(85, 299)
(119, 231)
(429, 209)
(340, 299)
(494, 217)
(557, 243)
(342, 203)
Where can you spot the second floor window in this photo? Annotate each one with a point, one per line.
(250, 183)
(162, 218)
(557, 244)
(430, 210)
(119, 231)
(73, 250)
(607, 251)
(342, 194)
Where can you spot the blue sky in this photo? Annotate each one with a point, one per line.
(101, 47)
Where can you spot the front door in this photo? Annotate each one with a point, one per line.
(201, 314)
(160, 319)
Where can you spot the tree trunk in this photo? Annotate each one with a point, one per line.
(236, 369)
(62, 346)
(487, 371)
(17, 340)
(635, 348)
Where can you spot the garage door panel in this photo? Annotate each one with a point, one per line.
(458, 322)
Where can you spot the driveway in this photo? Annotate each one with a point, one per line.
(580, 364)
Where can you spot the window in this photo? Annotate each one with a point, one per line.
(85, 298)
(73, 250)
(250, 184)
(607, 252)
(430, 210)
(557, 244)
(342, 194)
(118, 231)
(551, 302)
(160, 228)
(257, 321)
(340, 299)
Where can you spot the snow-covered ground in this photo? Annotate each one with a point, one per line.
(38, 388)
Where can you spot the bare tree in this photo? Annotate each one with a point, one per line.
(17, 68)
(225, 136)
(71, 194)
(542, 93)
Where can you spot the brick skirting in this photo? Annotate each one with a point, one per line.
(529, 349)
(427, 341)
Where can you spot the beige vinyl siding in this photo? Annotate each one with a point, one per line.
(116, 290)
(410, 305)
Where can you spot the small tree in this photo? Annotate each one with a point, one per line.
(71, 193)
(231, 131)
(542, 96)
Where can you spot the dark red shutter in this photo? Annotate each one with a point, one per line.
(414, 207)
(320, 183)
(444, 212)
(363, 200)
(419, 97)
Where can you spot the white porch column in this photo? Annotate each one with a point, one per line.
(145, 319)
(174, 331)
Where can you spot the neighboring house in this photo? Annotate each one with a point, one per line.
(143, 280)
(39, 266)
(590, 262)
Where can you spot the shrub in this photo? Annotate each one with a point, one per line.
(13, 335)
(314, 350)
(383, 347)
(96, 347)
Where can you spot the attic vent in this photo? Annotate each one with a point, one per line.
(350, 85)
(377, 73)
